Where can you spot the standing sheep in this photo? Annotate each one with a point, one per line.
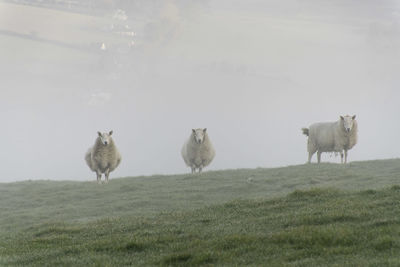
(103, 157)
(335, 137)
(198, 152)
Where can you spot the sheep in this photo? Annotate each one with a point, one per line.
(198, 152)
(335, 137)
(103, 157)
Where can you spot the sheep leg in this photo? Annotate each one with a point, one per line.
(311, 150)
(200, 168)
(106, 174)
(310, 154)
(345, 156)
(319, 156)
(98, 177)
(193, 169)
(341, 157)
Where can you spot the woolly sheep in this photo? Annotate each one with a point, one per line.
(198, 152)
(335, 137)
(103, 157)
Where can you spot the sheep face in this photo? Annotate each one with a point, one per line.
(199, 134)
(105, 138)
(348, 122)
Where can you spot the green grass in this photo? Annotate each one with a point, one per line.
(305, 228)
(35, 202)
(308, 215)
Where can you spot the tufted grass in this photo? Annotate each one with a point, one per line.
(305, 228)
(307, 215)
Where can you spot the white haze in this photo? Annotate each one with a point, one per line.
(253, 72)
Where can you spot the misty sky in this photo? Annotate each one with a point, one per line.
(253, 72)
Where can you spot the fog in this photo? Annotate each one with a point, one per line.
(252, 72)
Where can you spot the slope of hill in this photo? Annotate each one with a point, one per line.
(24, 204)
(298, 215)
(317, 227)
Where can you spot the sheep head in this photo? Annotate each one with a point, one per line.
(199, 135)
(347, 122)
(105, 138)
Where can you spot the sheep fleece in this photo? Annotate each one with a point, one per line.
(101, 157)
(331, 137)
(197, 155)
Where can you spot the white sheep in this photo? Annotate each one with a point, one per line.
(103, 157)
(198, 152)
(335, 137)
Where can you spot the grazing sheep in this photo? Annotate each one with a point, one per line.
(103, 157)
(335, 137)
(198, 151)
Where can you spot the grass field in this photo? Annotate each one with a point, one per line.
(304, 215)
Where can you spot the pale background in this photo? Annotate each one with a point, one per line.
(253, 72)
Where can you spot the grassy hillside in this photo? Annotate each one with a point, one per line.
(306, 228)
(56, 25)
(71, 41)
(27, 203)
(299, 215)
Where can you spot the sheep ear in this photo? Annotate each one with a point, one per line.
(110, 133)
(205, 130)
(193, 130)
(342, 118)
(99, 133)
(353, 117)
